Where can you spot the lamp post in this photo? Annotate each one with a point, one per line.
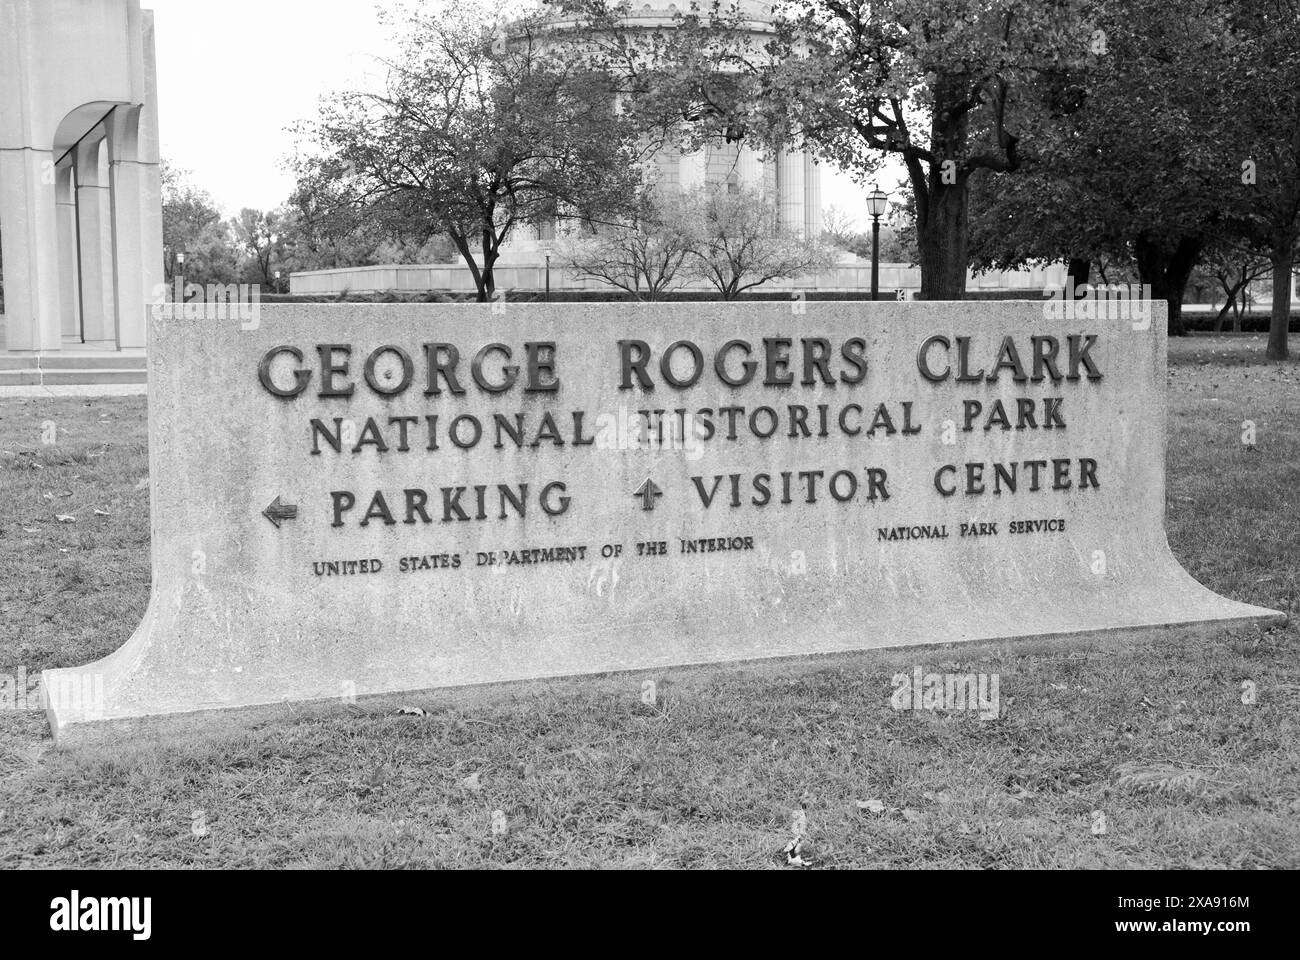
(877, 204)
(180, 275)
(270, 255)
(548, 277)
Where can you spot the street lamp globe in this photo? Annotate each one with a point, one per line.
(877, 202)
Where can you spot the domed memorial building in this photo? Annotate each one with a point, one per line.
(790, 178)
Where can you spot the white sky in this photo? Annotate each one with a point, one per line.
(235, 74)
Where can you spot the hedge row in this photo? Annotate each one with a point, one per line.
(1199, 322)
(620, 296)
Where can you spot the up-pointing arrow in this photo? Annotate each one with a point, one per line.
(278, 512)
(648, 491)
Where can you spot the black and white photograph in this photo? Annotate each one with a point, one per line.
(605, 435)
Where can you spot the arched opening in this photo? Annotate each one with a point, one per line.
(88, 224)
(78, 178)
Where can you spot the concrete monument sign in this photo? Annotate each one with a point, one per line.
(357, 500)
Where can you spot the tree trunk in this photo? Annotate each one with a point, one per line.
(461, 244)
(1167, 271)
(487, 287)
(1078, 273)
(1282, 260)
(942, 239)
(1223, 315)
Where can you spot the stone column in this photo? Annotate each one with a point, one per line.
(749, 169)
(724, 163)
(790, 191)
(135, 182)
(69, 276)
(127, 184)
(694, 169)
(812, 197)
(98, 304)
(31, 249)
(150, 156)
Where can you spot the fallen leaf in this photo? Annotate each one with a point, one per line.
(473, 783)
(874, 806)
(794, 854)
(65, 518)
(1162, 777)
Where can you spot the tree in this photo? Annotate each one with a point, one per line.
(477, 133)
(261, 237)
(736, 245)
(1139, 169)
(1262, 101)
(1182, 141)
(1231, 268)
(937, 83)
(318, 239)
(643, 256)
(193, 225)
(840, 231)
(685, 86)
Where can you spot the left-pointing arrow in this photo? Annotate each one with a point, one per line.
(278, 512)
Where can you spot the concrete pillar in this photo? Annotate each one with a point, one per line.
(790, 191)
(150, 156)
(98, 305)
(723, 163)
(127, 188)
(812, 197)
(30, 234)
(135, 184)
(694, 169)
(749, 169)
(769, 177)
(69, 276)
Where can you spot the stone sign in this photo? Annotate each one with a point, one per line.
(360, 500)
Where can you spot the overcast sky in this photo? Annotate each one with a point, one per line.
(233, 75)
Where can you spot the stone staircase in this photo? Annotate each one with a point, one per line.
(69, 368)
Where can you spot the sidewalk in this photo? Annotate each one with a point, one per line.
(80, 390)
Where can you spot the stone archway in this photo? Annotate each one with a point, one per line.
(80, 191)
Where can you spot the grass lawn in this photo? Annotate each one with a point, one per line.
(1152, 734)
